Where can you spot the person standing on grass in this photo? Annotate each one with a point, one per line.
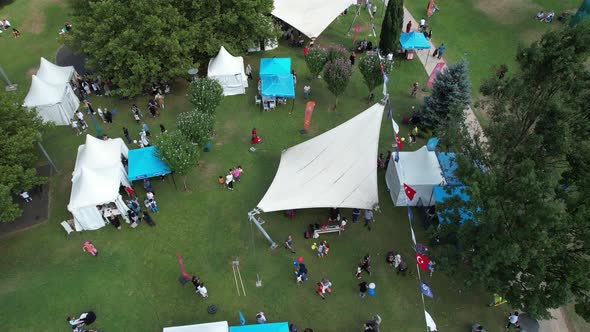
(513, 320)
(352, 58)
(201, 289)
(163, 129)
(108, 117)
(306, 91)
(368, 218)
(409, 26)
(363, 289)
(229, 180)
(415, 86)
(358, 272)
(289, 244)
(441, 50)
(355, 215)
(147, 185)
(236, 174)
(126, 133)
(145, 128)
(25, 195)
(76, 127)
(221, 181)
(366, 264)
(249, 71)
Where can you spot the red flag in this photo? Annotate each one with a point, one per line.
(410, 192)
(398, 142)
(430, 8)
(422, 262)
(357, 29)
(309, 107)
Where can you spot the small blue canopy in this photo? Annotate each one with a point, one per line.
(432, 143)
(440, 194)
(448, 164)
(266, 327)
(413, 41)
(144, 163)
(275, 66)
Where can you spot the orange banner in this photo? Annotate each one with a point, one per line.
(308, 112)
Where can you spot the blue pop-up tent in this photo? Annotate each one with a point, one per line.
(276, 77)
(441, 193)
(449, 167)
(144, 163)
(267, 327)
(413, 41)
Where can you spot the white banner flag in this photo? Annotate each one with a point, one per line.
(429, 321)
(395, 126)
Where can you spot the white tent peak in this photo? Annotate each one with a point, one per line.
(335, 169)
(311, 17)
(228, 70)
(55, 74)
(43, 93)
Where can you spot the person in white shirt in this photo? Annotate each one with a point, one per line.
(143, 138)
(513, 320)
(229, 180)
(201, 289)
(76, 127)
(25, 196)
(422, 24)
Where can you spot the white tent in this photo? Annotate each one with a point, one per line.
(55, 74)
(335, 169)
(206, 327)
(229, 71)
(96, 179)
(420, 170)
(54, 102)
(311, 17)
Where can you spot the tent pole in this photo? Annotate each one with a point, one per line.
(358, 10)
(174, 181)
(252, 216)
(47, 156)
(427, 56)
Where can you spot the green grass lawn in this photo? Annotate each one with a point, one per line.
(132, 284)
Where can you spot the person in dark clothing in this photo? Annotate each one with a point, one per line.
(196, 281)
(115, 221)
(108, 116)
(147, 185)
(126, 133)
(366, 264)
(352, 58)
(363, 289)
(162, 129)
(148, 219)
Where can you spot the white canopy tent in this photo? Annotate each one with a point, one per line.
(228, 70)
(54, 102)
(311, 17)
(55, 74)
(96, 179)
(206, 327)
(420, 170)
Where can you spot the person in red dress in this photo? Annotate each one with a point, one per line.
(409, 27)
(255, 138)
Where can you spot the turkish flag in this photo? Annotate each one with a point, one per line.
(410, 192)
(422, 262)
(398, 142)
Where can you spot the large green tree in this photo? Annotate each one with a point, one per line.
(20, 129)
(451, 89)
(178, 153)
(337, 75)
(370, 67)
(529, 184)
(205, 95)
(391, 26)
(136, 42)
(195, 126)
(316, 60)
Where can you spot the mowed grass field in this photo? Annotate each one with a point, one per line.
(132, 285)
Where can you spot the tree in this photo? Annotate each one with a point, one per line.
(206, 95)
(136, 42)
(178, 153)
(451, 89)
(316, 60)
(337, 75)
(20, 127)
(370, 67)
(337, 52)
(195, 126)
(530, 237)
(391, 26)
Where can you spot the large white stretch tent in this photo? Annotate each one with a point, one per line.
(51, 94)
(418, 169)
(228, 70)
(311, 17)
(335, 169)
(96, 179)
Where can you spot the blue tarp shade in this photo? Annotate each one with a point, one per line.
(448, 164)
(440, 194)
(267, 327)
(275, 66)
(276, 77)
(413, 41)
(432, 143)
(143, 163)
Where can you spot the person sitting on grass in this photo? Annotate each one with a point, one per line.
(15, 33)
(540, 15)
(549, 17)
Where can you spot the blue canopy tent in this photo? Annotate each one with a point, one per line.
(441, 193)
(276, 78)
(413, 41)
(143, 163)
(449, 167)
(267, 327)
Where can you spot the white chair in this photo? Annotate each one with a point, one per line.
(272, 104)
(257, 100)
(67, 227)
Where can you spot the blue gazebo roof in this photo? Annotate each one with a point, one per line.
(276, 77)
(413, 41)
(143, 163)
(275, 66)
(448, 164)
(441, 193)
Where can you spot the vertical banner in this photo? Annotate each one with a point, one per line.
(308, 112)
(357, 28)
(437, 69)
(430, 8)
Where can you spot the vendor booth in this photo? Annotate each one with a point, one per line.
(205, 327)
(412, 41)
(97, 177)
(144, 163)
(266, 327)
(228, 70)
(276, 82)
(420, 170)
(55, 103)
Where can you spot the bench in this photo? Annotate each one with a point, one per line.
(67, 227)
(327, 229)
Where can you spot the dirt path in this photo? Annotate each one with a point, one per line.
(559, 323)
